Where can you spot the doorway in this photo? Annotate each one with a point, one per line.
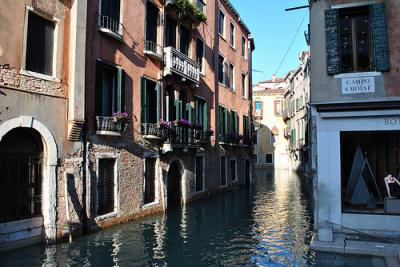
(174, 194)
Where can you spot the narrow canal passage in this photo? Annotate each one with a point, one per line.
(267, 224)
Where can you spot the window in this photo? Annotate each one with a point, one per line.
(258, 108)
(221, 70)
(185, 37)
(234, 123)
(231, 77)
(199, 173)
(105, 186)
(232, 35)
(367, 158)
(233, 169)
(244, 87)
(201, 5)
(201, 113)
(200, 54)
(255, 158)
(246, 124)
(221, 24)
(222, 123)
(109, 89)
(243, 47)
(223, 170)
(357, 40)
(278, 107)
(354, 40)
(39, 45)
(150, 180)
(151, 27)
(268, 159)
(150, 101)
(109, 17)
(170, 32)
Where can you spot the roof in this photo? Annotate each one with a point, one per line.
(277, 80)
(241, 22)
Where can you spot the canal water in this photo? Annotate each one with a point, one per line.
(266, 224)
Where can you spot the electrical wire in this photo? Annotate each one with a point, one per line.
(290, 46)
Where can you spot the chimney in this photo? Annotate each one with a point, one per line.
(273, 78)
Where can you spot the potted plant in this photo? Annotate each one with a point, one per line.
(120, 117)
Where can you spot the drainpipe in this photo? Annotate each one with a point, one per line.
(215, 66)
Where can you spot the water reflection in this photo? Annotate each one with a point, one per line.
(268, 224)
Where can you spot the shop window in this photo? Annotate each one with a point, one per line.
(232, 165)
(199, 173)
(105, 186)
(39, 44)
(150, 180)
(367, 158)
(223, 170)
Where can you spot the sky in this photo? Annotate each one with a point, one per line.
(273, 30)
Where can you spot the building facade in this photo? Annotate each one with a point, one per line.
(117, 111)
(270, 146)
(296, 114)
(168, 105)
(42, 81)
(355, 105)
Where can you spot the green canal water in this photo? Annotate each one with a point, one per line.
(266, 224)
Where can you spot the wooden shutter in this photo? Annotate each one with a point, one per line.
(380, 37)
(143, 114)
(225, 121)
(205, 116)
(178, 109)
(98, 92)
(196, 111)
(158, 92)
(189, 112)
(120, 90)
(332, 41)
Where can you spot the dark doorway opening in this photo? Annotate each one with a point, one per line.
(247, 172)
(174, 185)
(21, 160)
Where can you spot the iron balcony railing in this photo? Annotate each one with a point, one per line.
(110, 23)
(184, 136)
(110, 125)
(153, 129)
(180, 64)
(151, 47)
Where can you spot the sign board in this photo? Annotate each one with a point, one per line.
(358, 85)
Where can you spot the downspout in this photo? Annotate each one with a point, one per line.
(250, 50)
(216, 74)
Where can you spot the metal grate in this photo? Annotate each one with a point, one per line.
(105, 187)
(20, 187)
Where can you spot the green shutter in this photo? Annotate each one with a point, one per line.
(205, 116)
(178, 109)
(380, 37)
(99, 88)
(158, 92)
(120, 89)
(143, 97)
(220, 121)
(189, 112)
(226, 121)
(332, 41)
(237, 123)
(196, 110)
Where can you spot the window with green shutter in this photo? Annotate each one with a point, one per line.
(150, 101)
(110, 91)
(356, 39)
(201, 113)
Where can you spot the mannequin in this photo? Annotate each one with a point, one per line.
(392, 186)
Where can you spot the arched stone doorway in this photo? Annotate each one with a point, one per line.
(28, 126)
(21, 175)
(174, 188)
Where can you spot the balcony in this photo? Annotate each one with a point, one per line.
(153, 50)
(181, 65)
(110, 26)
(110, 126)
(179, 136)
(153, 131)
